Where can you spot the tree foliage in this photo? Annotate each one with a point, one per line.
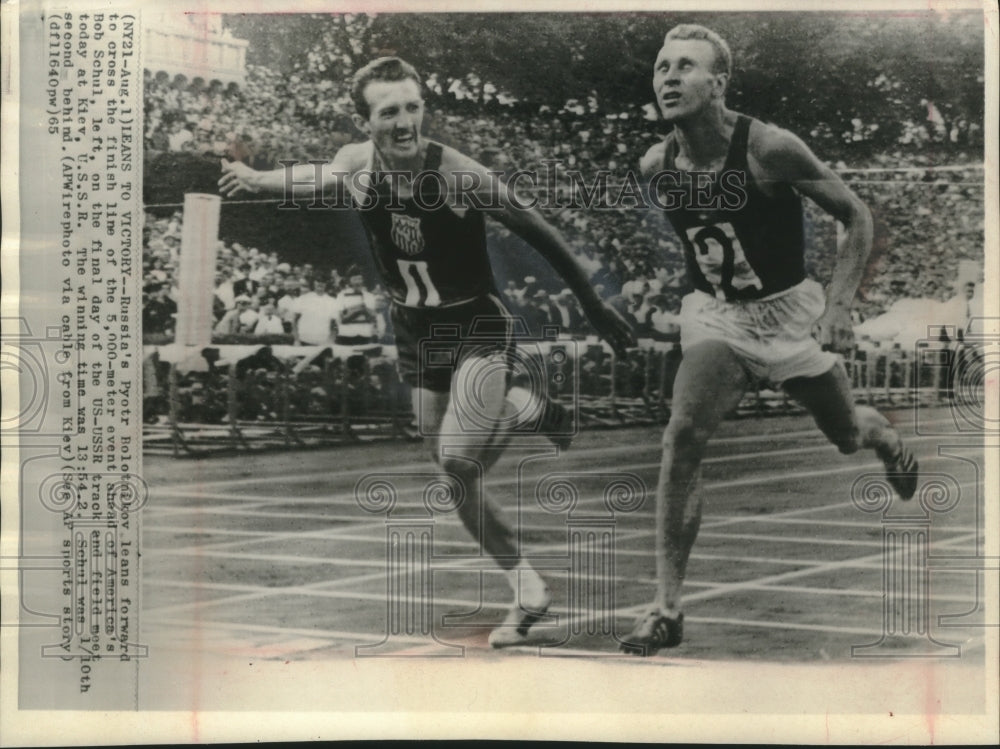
(868, 82)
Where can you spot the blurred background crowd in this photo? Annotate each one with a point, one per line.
(902, 127)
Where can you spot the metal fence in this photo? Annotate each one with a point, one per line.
(268, 401)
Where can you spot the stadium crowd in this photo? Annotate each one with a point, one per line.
(928, 220)
(257, 295)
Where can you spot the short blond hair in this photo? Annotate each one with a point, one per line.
(686, 31)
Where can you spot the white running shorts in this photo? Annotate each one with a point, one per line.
(772, 337)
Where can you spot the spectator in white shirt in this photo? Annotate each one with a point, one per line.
(634, 286)
(268, 323)
(180, 135)
(965, 307)
(287, 307)
(316, 316)
(250, 314)
(232, 322)
(357, 321)
(224, 290)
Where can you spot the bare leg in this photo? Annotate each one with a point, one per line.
(710, 382)
(462, 445)
(523, 406)
(828, 398)
(468, 443)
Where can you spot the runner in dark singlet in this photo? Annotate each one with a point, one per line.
(431, 253)
(752, 315)
(437, 270)
(747, 244)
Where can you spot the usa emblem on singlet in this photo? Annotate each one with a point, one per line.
(406, 233)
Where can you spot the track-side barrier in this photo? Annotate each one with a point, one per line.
(237, 398)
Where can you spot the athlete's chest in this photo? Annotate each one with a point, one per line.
(685, 164)
(406, 232)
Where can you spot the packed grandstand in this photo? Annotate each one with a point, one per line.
(929, 215)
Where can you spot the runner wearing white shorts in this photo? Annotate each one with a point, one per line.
(773, 337)
(731, 187)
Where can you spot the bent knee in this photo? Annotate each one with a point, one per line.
(685, 433)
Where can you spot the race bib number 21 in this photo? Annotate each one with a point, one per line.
(721, 259)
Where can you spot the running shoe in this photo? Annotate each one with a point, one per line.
(901, 471)
(514, 629)
(653, 632)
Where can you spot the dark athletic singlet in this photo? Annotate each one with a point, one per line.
(427, 255)
(740, 249)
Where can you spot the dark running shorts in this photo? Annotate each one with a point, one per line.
(433, 341)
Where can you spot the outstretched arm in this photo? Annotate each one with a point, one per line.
(298, 179)
(550, 244)
(531, 226)
(787, 159)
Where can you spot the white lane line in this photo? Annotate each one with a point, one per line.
(813, 569)
(285, 558)
(715, 521)
(763, 519)
(556, 651)
(318, 588)
(462, 543)
(872, 562)
(792, 539)
(711, 522)
(777, 561)
(353, 638)
(458, 563)
(253, 592)
(491, 568)
(244, 593)
(581, 453)
(355, 523)
(777, 478)
(211, 531)
(490, 481)
(714, 590)
(256, 537)
(630, 449)
(357, 579)
(244, 511)
(488, 567)
(826, 628)
(847, 563)
(852, 592)
(794, 574)
(331, 634)
(730, 588)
